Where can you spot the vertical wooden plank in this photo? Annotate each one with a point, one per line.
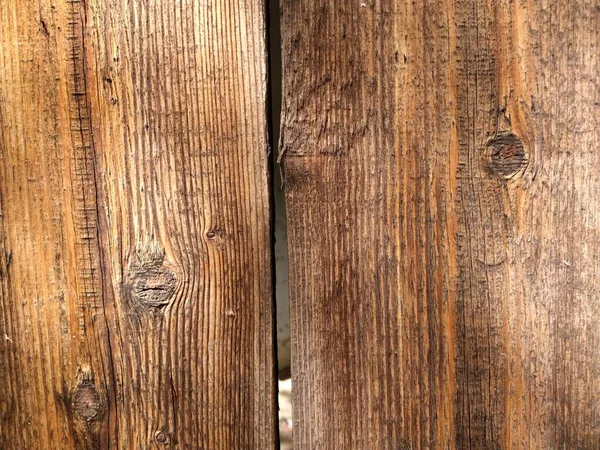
(135, 253)
(444, 223)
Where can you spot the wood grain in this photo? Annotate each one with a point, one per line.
(136, 307)
(441, 164)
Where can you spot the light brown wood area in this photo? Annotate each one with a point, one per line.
(441, 167)
(135, 261)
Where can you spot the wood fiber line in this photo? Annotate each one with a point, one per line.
(440, 167)
(135, 242)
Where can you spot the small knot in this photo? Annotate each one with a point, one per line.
(161, 437)
(505, 155)
(215, 237)
(152, 283)
(153, 286)
(86, 402)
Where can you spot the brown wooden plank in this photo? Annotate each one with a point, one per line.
(135, 261)
(441, 164)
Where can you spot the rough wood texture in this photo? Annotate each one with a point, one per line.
(441, 166)
(135, 273)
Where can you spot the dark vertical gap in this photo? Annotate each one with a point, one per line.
(279, 253)
(280, 234)
(278, 217)
(270, 108)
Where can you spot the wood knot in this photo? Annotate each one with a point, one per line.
(152, 283)
(86, 401)
(505, 155)
(154, 286)
(161, 437)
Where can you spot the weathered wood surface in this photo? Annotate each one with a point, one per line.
(135, 261)
(441, 167)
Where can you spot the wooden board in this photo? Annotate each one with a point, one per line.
(135, 262)
(441, 167)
